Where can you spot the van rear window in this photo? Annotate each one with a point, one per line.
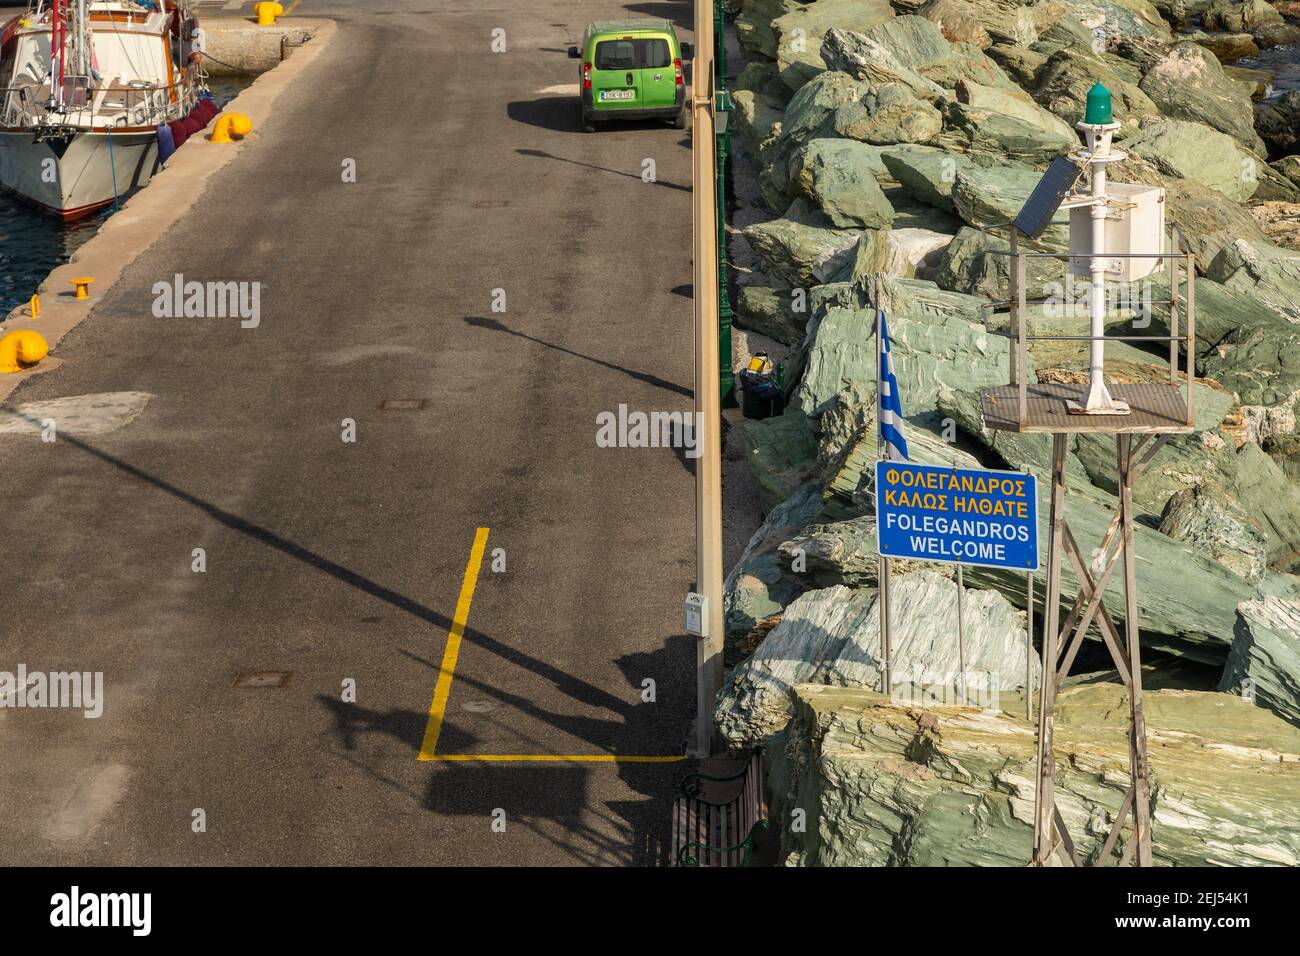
(652, 54)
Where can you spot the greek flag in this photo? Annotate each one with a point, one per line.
(889, 410)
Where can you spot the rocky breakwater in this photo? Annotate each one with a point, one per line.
(875, 168)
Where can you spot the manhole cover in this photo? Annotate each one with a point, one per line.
(479, 706)
(262, 678)
(402, 405)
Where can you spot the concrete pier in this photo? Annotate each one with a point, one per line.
(488, 283)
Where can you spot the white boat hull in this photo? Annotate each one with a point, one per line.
(74, 177)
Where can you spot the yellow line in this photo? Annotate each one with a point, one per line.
(442, 690)
(541, 758)
(291, 7)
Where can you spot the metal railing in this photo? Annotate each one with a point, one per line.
(1017, 309)
(135, 104)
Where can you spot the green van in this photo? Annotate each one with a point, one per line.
(631, 69)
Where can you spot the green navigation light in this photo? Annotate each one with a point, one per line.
(1098, 111)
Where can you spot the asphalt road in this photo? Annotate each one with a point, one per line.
(339, 561)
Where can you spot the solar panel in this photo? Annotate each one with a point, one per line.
(1047, 196)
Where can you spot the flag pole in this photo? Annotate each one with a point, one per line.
(882, 596)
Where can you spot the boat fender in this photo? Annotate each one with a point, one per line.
(179, 136)
(166, 143)
(191, 124)
(22, 349)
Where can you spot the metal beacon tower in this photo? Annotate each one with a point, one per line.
(1116, 234)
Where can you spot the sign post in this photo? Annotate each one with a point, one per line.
(957, 516)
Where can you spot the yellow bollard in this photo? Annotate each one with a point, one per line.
(231, 124)
(22, 349)
(267, 12)
(83, 287)
(36, 306)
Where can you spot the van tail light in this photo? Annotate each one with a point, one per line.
(586, 76)
(677, 68)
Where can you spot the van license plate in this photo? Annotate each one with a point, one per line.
(617, 94)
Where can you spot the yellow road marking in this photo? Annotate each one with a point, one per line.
(442, 690)
(540, 758)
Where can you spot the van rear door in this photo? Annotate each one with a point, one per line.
(658, 73)
(616, 74)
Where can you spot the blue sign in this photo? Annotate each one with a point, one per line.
(958, 515)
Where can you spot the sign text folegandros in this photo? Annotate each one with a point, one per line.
(937, 513)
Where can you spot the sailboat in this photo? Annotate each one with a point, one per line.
(85, 86)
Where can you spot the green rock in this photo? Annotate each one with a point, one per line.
(1227, 47)
(850, 489)
(835, 175)
(1239, 17)
(1064, 80)
(1196, 152)
(1018, 62)
(931, 352)
(984, 22)
(842, 552)
(1188, 83)
(869, 59)
(889, 114)
(994, 195)
(972, 263)
(808, 116)
(1219, 527)
(872, 254)
(780, 452)
(755, 77)
(1269, 35)
(1248, 482)
(754, 120)
(1017, 104)
(1268, 274)
(991, 138)
(897, 783)
(1279, 125)
(770, 313)
(800, 32)
(1209, 220)
(832, 636)
(756, 588)
(804, 248)
(1266, 652)
(913, 51)
(754, 25)
(927, 175)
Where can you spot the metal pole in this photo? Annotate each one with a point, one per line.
(1029, 642)
(1138, 767)
(1044, 795)
(1029, 651)
(726, 382)
(961, 639)
(708, 410)
(882, 596)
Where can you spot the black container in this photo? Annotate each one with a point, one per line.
(761, 395)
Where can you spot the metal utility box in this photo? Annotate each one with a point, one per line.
(1135, 223)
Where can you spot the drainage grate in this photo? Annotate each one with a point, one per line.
(402, 405)
(262, 678)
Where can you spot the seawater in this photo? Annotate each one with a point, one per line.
(33, 243)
